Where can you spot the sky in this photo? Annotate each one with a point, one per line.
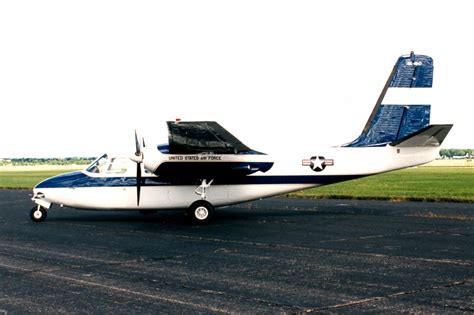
(77, 77)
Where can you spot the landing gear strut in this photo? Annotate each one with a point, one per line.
(38, 214)
(201, 189)
(201, 212)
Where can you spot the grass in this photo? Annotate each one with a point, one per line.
(24, 179)
(419, 184)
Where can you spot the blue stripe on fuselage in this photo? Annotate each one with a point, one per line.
(80, 179)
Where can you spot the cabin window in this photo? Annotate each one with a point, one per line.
(118, 166)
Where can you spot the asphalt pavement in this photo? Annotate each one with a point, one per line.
(269, 256)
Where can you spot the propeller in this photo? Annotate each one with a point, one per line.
(138, 149)
(139, 182)
(138, 159)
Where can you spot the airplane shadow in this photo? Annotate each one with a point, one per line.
(177, 217)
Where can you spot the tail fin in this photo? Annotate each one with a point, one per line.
(399, 113)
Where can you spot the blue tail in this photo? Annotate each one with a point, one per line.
(393, 121)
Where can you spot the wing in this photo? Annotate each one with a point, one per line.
(202, 137)
(204, 149)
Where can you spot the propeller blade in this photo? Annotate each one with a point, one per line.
(143, 142)
(138, 159)
(137, 145)
(139, 182)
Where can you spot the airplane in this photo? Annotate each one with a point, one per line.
(462, 157)
(203, 166)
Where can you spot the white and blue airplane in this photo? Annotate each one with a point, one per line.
(203, 166)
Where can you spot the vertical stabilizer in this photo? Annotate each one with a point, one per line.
(403, 107)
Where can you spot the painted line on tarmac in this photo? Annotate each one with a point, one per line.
(393, 295)
(323, 250)
(115, 288)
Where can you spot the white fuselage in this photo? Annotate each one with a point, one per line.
(117, 190)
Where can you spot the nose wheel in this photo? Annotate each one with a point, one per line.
(38, 214)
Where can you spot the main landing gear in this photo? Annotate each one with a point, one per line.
(200, 212)
(38, 213)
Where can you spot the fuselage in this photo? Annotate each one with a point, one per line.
(113, 184)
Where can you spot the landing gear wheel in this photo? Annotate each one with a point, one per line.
(38, 214)
(201, 212)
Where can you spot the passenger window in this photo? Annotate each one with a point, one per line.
(118, 166)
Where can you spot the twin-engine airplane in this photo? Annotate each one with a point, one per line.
(203, 166)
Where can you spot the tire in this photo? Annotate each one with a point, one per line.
(38, 214)
(201, 212)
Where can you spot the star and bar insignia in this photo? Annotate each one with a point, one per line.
(318, 163)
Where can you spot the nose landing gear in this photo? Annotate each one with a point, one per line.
(38, 213)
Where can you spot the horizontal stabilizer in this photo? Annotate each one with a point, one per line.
(431, 136)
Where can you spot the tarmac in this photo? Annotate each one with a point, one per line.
(270, 256)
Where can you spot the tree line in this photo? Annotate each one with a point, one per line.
(47, 161)
(450, 153)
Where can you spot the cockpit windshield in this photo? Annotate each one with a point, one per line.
(98, 166)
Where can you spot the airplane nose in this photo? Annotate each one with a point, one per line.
(61, 181)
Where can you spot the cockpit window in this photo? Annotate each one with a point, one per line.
(118, 165)
(98, 165)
